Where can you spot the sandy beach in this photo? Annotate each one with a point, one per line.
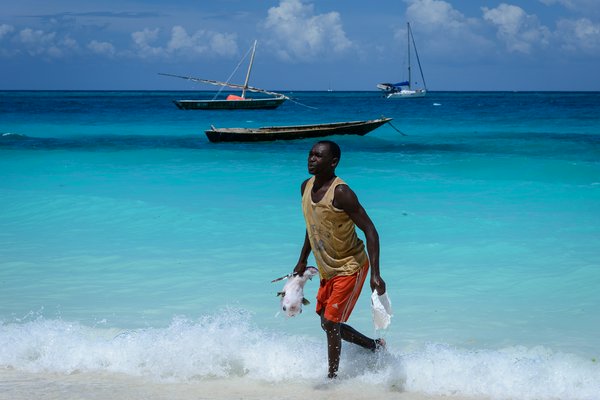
(25, 386)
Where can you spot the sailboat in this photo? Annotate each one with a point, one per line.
(269, 100)
(407, 88)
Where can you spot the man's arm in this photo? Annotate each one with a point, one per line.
(305, 252)
(345, 199)
(303, 259)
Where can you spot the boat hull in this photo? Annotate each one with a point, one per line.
(246, 104)
(402, 94)
(268, 134)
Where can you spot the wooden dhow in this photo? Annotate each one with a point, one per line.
(268, 100)
(293, 132)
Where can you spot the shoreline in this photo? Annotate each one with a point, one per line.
(18, 385)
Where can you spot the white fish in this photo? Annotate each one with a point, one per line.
(292, 294)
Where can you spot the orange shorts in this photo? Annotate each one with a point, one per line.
(338, 295)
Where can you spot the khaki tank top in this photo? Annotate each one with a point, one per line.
(332, 234)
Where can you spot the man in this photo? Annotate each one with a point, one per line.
(332, 211)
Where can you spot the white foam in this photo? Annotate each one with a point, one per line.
(516, 372)
(214, 346)
(228, 346)
(11, 134)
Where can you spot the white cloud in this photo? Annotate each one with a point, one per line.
(5, 30)
(180, 40)
(181, 43)
(520, 31)
(298, 34)
(41, 43)
(102, 48)
(444, 31)
(69, 43)
(435, 15)
(147, 44)
(201, 42)
(143, 39)
(581, 34)
(36, 43)
(224, 44)
(581, 6)
(35, 38)
(54, 52)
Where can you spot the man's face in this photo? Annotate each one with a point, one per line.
(320, 159)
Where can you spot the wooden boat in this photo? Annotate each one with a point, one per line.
(272, 133)
(407, 88)
(232, 102)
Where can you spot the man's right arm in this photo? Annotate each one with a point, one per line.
(305, 252)
(303, 259)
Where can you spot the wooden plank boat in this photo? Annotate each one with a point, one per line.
(271, 133)
(270, 100)
(231, 103)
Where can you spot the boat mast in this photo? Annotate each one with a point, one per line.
(408, 51)
(418, 61)
(249, 69)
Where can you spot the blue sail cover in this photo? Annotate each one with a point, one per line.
(393, 87)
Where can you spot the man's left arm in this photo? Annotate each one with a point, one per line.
(345, 199)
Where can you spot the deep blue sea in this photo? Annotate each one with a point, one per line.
(136, 257)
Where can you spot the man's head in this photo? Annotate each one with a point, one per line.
(323, 157)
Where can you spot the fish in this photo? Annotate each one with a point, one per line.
(292, 294)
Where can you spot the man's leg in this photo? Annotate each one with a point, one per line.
(334, 345)
(349, 334)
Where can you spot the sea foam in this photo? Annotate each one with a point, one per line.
(228, 346)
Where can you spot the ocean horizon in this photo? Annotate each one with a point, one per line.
(136, 257)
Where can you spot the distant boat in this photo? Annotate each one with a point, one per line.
(408, 88)
(232, 102)
(272, 133)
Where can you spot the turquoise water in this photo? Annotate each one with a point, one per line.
(129, 244)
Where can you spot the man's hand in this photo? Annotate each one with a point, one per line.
(300, 268)
(377, 284)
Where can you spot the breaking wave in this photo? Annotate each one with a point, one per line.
(227, 345)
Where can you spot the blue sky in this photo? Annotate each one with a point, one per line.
(302, 44)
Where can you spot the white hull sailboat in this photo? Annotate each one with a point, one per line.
(270, 100)
(408, 88)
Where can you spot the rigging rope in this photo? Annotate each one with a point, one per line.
(233, 73)
(300, 104)
(398, 130)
